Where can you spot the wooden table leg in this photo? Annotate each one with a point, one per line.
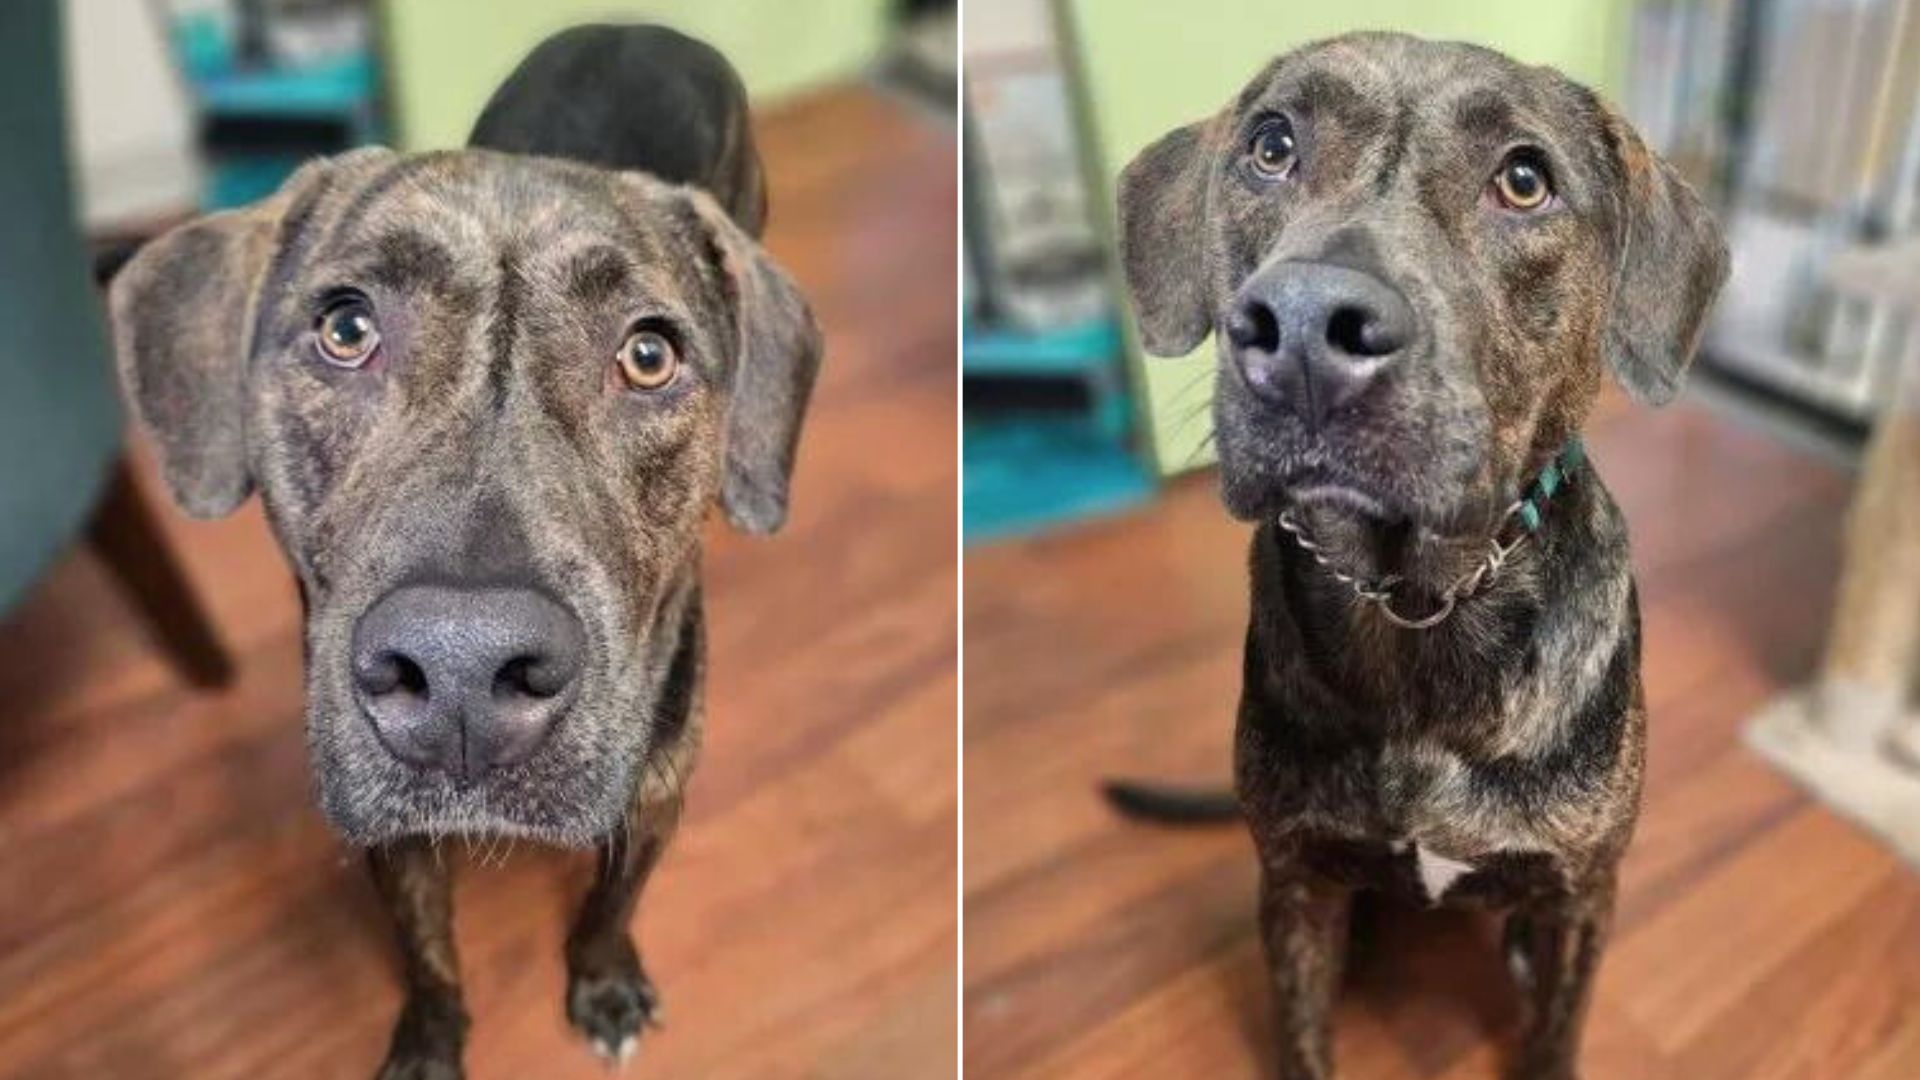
(128, 538)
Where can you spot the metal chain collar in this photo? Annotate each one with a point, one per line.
(1380, 593)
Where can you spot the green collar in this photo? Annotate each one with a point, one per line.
(1551, 479)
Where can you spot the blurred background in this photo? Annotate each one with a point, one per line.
(1778, 557)
(171, 904)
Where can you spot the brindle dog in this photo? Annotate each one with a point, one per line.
(1416, 259)
(487, 399)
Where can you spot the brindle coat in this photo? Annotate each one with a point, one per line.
(490, 439)
(1495, 759)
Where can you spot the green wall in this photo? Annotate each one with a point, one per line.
(1145, 68)
(446, 57)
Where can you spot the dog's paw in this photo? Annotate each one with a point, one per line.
(611, 1003)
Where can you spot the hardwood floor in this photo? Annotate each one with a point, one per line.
(171, 904)
(1758, 935)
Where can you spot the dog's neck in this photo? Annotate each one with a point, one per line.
(1429, 589)
(1420, 568)
(1310, 634)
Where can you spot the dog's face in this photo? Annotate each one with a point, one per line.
(1414, 257)
(487, 401)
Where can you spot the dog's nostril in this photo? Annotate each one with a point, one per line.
(1356, 332)
(412, 678)
(392, 672)
(1253, 326)
(528, 677)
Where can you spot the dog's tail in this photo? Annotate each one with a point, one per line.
(1172, 805)
(642, 98)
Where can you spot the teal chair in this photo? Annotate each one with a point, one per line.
(62, 475)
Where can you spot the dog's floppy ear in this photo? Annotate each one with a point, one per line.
(777, 357)
(1672, 261)
(1163, 209)
(182, 314)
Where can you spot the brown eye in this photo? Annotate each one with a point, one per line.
(648, 360)
(1273, 149)
(347, 334)
(1522, 182)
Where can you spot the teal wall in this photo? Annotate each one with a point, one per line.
(445, 57)
(1145, 68)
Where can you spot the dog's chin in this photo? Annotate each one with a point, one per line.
(1347, 498)
(564, 795)
(462, 814)
(435, 806)
(1261, 494)
(1356, 473)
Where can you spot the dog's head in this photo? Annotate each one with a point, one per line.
(1414, 257)
(487, 400)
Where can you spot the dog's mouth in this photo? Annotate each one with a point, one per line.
(1390, 463)
(563, 794)
(1316, 486)
(1271, 484)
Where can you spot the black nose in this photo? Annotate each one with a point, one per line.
(1313, 336)
(465, 679)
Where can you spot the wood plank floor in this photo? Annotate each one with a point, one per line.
(1758, 935)
(171, 904)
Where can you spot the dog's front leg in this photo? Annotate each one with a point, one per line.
(1303, 923)
(1553, 947)
(609, 997)
(418, 890)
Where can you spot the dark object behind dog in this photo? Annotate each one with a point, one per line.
(644, 98)
(1417, 259)
(488, 400)
(1171, 805)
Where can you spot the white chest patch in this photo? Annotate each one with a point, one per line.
(1437, 872)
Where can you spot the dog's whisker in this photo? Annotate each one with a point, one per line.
(1200, 449)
